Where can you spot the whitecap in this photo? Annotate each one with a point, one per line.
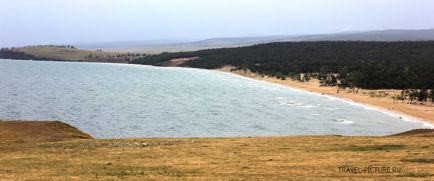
(279, 98)
(308, 106)
(332, 108)
(343, 121)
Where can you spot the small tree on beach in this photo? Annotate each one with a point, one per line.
(412, 96)
(306, 77)
(432, 95)
(354, 80)
(423, 95)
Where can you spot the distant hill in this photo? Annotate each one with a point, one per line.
(158, 46)
(385, 35)
(130, 44)
(118, 51)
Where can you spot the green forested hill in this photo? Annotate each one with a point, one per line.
(372, 65)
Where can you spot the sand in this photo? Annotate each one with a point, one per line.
(371, 98)
(175, 62)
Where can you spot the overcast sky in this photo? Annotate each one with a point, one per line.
(24, 22)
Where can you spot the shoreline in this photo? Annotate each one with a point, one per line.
(407, 112)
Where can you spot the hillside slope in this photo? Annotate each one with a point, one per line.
(406, 157)
(55, 53)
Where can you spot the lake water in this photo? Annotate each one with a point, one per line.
(120, 100)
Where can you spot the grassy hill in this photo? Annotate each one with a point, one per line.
(61, 53)
(58, 53)
(38, 131)
(408, 156)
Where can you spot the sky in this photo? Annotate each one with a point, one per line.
(29, 22)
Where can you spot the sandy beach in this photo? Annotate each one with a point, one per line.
(372, 98)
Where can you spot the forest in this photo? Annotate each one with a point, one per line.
(354, 64)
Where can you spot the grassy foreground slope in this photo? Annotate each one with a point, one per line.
(38, 131)
(270, 158)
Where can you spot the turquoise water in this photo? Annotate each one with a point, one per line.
(120, 100)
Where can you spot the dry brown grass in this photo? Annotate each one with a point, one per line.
(38, 131)
(262, 158)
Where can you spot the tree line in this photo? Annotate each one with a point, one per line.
(353, 64)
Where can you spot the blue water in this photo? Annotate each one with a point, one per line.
(120, 100)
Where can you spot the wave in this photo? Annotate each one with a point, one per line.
(308, 106)
(333, 98)
(332, 108)
(343, 121)
(384, 111)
